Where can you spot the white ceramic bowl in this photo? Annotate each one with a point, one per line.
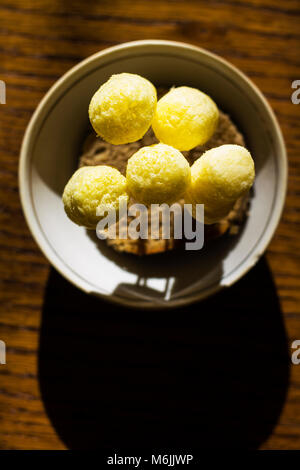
(49, 155)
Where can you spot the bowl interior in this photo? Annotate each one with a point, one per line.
(51, 153)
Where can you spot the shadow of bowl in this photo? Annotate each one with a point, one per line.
(210, 375)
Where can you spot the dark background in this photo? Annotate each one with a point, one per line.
(81, 373)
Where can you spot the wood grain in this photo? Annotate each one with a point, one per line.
(42, 400)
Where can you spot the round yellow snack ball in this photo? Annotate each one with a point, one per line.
(184, 118)
(157, 174)
(93, 187)
(218, 178)
(122, 109)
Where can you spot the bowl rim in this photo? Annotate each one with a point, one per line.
(47, 250)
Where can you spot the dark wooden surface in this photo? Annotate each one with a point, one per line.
(81, 373)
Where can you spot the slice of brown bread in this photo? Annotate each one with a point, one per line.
(98, 152)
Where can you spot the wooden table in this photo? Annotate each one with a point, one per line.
(81, 373)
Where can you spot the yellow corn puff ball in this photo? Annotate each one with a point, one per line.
(157, 174)
(184, 118)
(218, 178)
(91, 188)
(122, 109)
